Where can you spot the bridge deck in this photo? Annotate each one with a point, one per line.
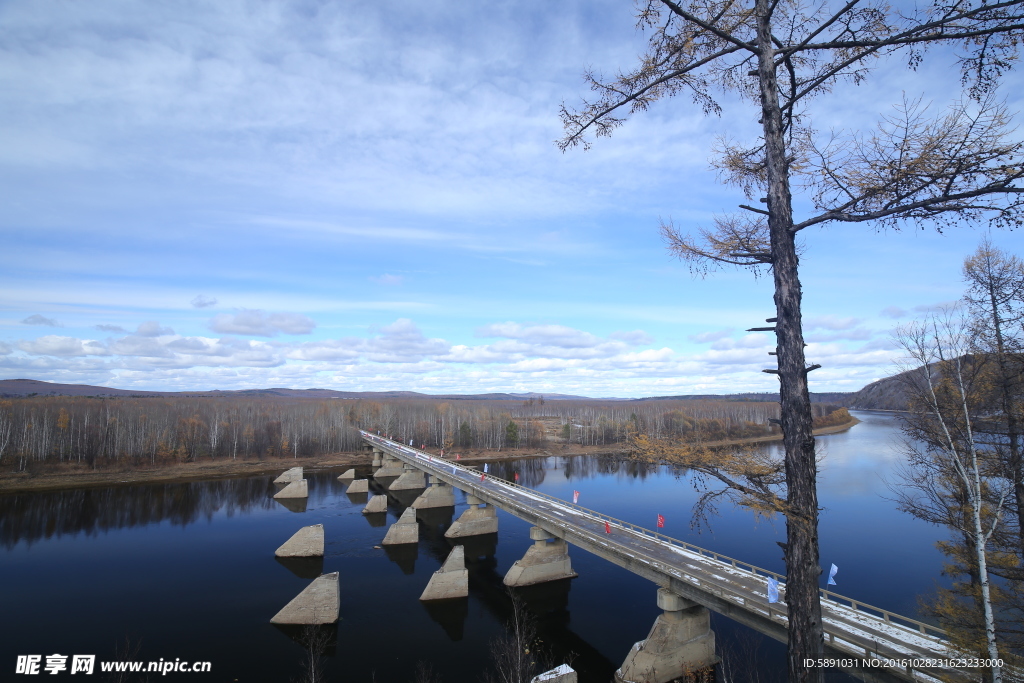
(723, 584)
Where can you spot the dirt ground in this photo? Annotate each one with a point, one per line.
(75, 476)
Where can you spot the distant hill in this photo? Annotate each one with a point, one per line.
(885, 394)
(838, 397)
(16, 388)
(20, 388)
(888, 393)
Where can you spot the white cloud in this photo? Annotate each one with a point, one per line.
(893, 312)
(633, 338)
(54, 345)
(705, 337)
(402, 342)
(754, 340)
(110, 328)
(938, 307)
(261, 324)
(40, 320)
(151, 328)
(202, 301)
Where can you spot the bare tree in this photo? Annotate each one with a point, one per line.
(995, 297)
(950, 478)
(315, 640)
(514, 662)
(779, 55)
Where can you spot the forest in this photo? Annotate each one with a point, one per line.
(159, 430)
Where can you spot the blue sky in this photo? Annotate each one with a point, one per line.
(367, 196)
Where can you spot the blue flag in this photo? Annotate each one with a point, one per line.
(832, 576)
(773, 590)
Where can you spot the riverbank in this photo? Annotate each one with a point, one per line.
(80, 476)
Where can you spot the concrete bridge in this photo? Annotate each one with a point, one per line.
(884, 646)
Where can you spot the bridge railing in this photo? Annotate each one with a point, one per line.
(834, 598)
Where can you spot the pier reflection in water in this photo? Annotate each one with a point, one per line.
(188, 569)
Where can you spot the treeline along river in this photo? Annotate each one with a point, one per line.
(188, 570)
(41, 431)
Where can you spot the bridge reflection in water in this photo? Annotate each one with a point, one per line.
(692, 580)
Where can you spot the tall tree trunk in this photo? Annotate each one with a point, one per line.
(801, 551)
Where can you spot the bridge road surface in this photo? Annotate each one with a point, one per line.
(738, 590)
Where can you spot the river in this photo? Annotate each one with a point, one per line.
(187, 571)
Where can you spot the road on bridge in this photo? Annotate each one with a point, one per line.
(895, 647)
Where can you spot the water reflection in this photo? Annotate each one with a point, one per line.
(549, 604)
(293, 504)
(322, 639)
(403, 499)
(358, 498)
(450, 615)
(30, 517)
(303, 567)
(376, 519)
(533, 471)
(484, 545)
(404, 556)
(434, 521)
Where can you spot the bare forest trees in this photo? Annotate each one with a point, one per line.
(917, 166)
(89, 431)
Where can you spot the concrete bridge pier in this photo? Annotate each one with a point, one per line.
(290, 475)
(451, 580)
(389, 467)
(377, 453)
(437, 495)
(475, 521)
(546, 560)
(405, 530)
(376, 505)
(319, 603)
(411, 478)
(681, 641)
(358, 486)
(296, 489)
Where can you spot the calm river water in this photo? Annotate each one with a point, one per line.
(188, 570)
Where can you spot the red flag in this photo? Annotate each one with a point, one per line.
(422, 446)
(458, 456)
(442, 452)
(661, 522)
(575, 497)
(607, 528)
(482, 477)
(517, 476)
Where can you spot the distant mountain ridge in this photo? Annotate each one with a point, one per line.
(883, 394)
(19, 388)
(839, 397)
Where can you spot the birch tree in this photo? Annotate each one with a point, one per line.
(950, 477)
(916, 166)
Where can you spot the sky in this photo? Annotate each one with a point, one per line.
(367, 196)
